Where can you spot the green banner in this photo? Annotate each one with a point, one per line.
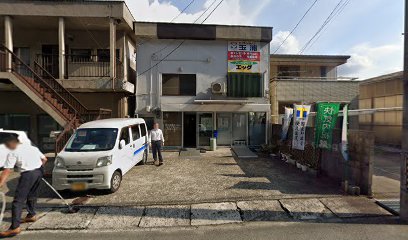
(325, 122)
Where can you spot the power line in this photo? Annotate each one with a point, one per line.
(301, 19)
(328, 19)
(337, 14)
(195, 21)
(179, 45)
(182, 11)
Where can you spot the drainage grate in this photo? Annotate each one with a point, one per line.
(391, 205)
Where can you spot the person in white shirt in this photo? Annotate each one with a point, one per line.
(30, 161)
(157, 141)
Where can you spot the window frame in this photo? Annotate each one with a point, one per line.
(128, 135)
(179, 84)
(143, 129)
(138, 132)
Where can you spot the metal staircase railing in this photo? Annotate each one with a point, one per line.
(53, 93)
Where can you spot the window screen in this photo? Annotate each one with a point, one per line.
(179, 84)
(244, 85)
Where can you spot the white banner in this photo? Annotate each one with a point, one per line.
(286, 122)
(301, 115)
(344, 141)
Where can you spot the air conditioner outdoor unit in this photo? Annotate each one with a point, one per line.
(218, 88)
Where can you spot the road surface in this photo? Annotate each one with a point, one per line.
(247, 231)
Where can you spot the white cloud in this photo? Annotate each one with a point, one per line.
(229, 12)
(291, 45)
(369, 61)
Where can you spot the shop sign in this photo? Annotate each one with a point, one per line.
(301, 115)
(244, 56)
(325, 122)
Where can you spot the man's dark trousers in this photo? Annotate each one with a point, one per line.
(26, 192)
(156, 148)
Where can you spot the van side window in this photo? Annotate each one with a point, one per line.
(135, 132)
(124, 135)
(143, 129)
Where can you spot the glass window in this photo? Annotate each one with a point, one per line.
(323, 71)
(81, 55)
(172, 128)
(135, 132)
(143, 129)
(224, 128)
(288, 72)
(104, 55)
(179, 84)
(92, 139)
(239, 127)
(124, 135)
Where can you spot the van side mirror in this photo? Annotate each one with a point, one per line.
(122, 144)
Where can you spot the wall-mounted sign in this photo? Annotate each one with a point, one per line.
(244, 56)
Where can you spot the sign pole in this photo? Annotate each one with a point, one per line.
(404, 155)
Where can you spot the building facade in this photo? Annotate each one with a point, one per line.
(63, 60)
(204, 80)
(383, 92)
(308, 79)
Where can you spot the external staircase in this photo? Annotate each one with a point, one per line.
(49, 94)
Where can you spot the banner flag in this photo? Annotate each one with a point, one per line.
(344, 141)
(286, 122)
(325, 122)
(301, 115)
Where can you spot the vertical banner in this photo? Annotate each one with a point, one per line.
(325, 122)
(244, 56)
(344, 141)
(301, 115)
(286, 122)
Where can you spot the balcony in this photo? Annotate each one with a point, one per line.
(79, 66)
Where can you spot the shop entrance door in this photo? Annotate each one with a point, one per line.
(205, 129)
(190, 134)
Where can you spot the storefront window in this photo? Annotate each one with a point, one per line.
(224, 129)
(257, 128)
(172, 128)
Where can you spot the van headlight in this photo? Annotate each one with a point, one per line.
(104, 161)
(59, 163)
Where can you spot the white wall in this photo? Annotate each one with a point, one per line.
(207, 59)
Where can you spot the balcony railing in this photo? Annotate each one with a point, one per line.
(306, 78)
(79, 65)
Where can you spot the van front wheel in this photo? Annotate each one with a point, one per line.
(115, 181)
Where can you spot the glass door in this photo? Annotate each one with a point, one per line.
(239, 128)
(205, 128)
(224, 128)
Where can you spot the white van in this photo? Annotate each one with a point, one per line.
(99, 153)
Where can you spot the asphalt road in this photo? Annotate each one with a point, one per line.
(248, 231)
(386, 177)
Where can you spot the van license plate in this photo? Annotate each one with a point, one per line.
(78, 187)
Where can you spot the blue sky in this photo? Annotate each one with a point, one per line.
(368, 30)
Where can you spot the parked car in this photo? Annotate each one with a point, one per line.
(99, 153)
(22, 136)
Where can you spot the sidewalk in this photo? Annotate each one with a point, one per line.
(336, 209)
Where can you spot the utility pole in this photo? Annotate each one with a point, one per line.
(404, 155)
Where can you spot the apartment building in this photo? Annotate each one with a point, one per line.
(383, 92)
(204, 80)
(308, 79)
(63, 63)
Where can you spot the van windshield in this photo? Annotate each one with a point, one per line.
(92, 139)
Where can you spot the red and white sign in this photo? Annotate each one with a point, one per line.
(244, 56)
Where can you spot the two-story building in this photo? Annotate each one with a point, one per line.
(309, 79)
(198, 80)
(64, 62)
